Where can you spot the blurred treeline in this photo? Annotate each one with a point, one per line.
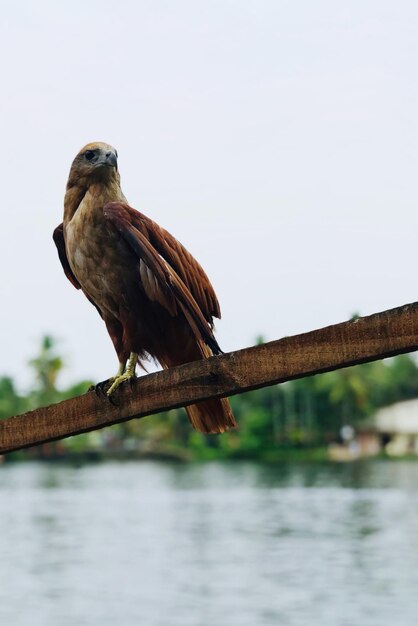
(301, 415)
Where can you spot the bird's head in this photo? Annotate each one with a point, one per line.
(96, 162)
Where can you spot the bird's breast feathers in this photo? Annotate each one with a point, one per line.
(95, 256)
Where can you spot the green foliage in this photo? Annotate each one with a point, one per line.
(303, 414)
(11, 403)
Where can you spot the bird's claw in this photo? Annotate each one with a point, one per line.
(118, 381)
(112, 400)
(99, 389)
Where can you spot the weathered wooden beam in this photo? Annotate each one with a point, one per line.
(350, 343)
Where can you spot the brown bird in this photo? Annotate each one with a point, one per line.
(153, 296)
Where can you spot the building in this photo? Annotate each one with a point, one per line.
(397, 426)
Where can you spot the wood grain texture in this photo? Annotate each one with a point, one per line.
(364, 339)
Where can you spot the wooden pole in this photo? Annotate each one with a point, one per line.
(350, 343)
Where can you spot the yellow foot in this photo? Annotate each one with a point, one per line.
(118, 380)
(128, 374)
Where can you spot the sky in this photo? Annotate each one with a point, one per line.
(277, 140)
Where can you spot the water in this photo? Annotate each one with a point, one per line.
(195, 545)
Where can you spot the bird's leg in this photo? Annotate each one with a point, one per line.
(119, 372)
(124, 374)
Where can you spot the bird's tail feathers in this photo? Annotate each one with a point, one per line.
(209, 416)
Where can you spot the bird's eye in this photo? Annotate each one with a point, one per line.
(89, 155)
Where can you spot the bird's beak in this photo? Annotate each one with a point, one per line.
(107, 159)
(111, 160)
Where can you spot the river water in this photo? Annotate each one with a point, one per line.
(231, 544)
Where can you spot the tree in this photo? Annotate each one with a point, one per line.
(11, 403)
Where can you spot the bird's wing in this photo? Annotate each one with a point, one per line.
(58, 236)
(159, 277)
(183, 263)
(186, 266)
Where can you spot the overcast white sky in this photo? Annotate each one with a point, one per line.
(278, 140)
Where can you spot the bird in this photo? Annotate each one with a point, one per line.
(153, 296)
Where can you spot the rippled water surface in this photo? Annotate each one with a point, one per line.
(227, 544)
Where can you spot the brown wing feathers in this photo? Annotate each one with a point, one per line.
(174, 291)
(179, 259)
(183, 263)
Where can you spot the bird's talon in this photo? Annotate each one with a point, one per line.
(100, 388)
(112, 400)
